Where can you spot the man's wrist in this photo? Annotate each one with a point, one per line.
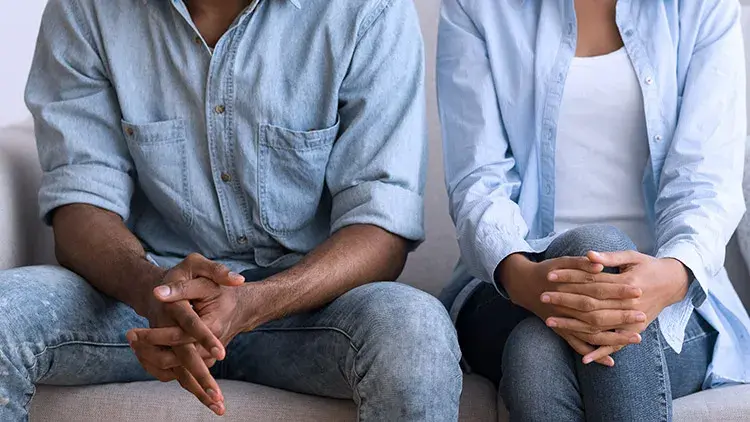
(259, 303)
(143, 296)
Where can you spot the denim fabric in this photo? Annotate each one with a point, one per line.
(389, 347)
(542, 379)
(501, 71)
(308, 116)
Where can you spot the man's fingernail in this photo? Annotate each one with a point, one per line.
(163, 291)
(587, 360)
(132, 337)
(640, 317)
(552, 277)
(546, 298)
(213, 394)
(236, 275)
(552, 323)
(214, 408)
(216, 352)
(635, 339)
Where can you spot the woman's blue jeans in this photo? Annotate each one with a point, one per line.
(542, 379)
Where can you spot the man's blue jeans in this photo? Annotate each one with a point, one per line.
(389, 347)
(542, 379)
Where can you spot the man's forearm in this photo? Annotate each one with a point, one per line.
(354, 256)
(98, 246)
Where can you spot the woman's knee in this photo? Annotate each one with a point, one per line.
(581, 240)
(538, 372)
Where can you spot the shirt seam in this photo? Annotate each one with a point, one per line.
(373, 17)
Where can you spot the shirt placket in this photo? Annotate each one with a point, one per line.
(219, 113)
(549, 123)
(655, 126)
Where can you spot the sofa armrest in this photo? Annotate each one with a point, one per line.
(25, 240)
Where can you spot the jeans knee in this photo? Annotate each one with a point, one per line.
(537, 363)
(411, 345)
(581, 240)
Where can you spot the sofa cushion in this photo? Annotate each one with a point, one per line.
(720, 404)
(155, 401)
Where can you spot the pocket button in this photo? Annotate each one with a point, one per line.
(226, 178)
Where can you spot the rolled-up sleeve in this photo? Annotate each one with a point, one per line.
(700, 201)
(376, 169)
(482, 180)
(77, 118)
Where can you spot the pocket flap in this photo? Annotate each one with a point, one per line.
(282, 138)
(165, 131)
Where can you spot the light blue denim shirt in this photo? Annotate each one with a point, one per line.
(502, 68)
(308, 116)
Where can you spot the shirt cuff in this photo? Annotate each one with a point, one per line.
(673, 319)
(688, 254)
(99, 186)
(492, 247)
(390, 207)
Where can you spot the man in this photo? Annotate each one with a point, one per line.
(185, 142)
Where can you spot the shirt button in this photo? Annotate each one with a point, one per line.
(657, 138)
(649, 80)
(130, 131)
(225, 177)
(629, 33)
(242, 240)
(219, 109)
(198, 40)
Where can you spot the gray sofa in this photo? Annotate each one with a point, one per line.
(27, 242)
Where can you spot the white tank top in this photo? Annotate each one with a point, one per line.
(602, 149)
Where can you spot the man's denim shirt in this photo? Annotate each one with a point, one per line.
(502, 67)
(306, 117)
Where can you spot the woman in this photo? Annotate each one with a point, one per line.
(620, 125)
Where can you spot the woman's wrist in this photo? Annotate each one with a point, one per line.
(679, 280)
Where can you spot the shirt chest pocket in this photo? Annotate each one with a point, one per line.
(291, 170)
(159, 152)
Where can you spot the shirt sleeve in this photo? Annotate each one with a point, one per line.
(481, 176)
(81, 148)
(700, 200)
(376, 172)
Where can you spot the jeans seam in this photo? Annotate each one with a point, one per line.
(357, 377)
(338, 330)
(47, 348)
(70, 343)
(692, 339)
(662, 379)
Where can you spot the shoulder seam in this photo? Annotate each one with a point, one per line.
(370, 20)
(77, 15)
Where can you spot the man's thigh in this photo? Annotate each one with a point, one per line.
(327, 352)
(62, 331)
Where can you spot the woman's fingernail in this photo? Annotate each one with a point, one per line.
(587, 360)
(552, 323)
(216, 352)
(546, 298)
(640, 317)
(214, 408)
(552, 277)
(236, 275)
(163, 291)
(132, 337)
(635, 339)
